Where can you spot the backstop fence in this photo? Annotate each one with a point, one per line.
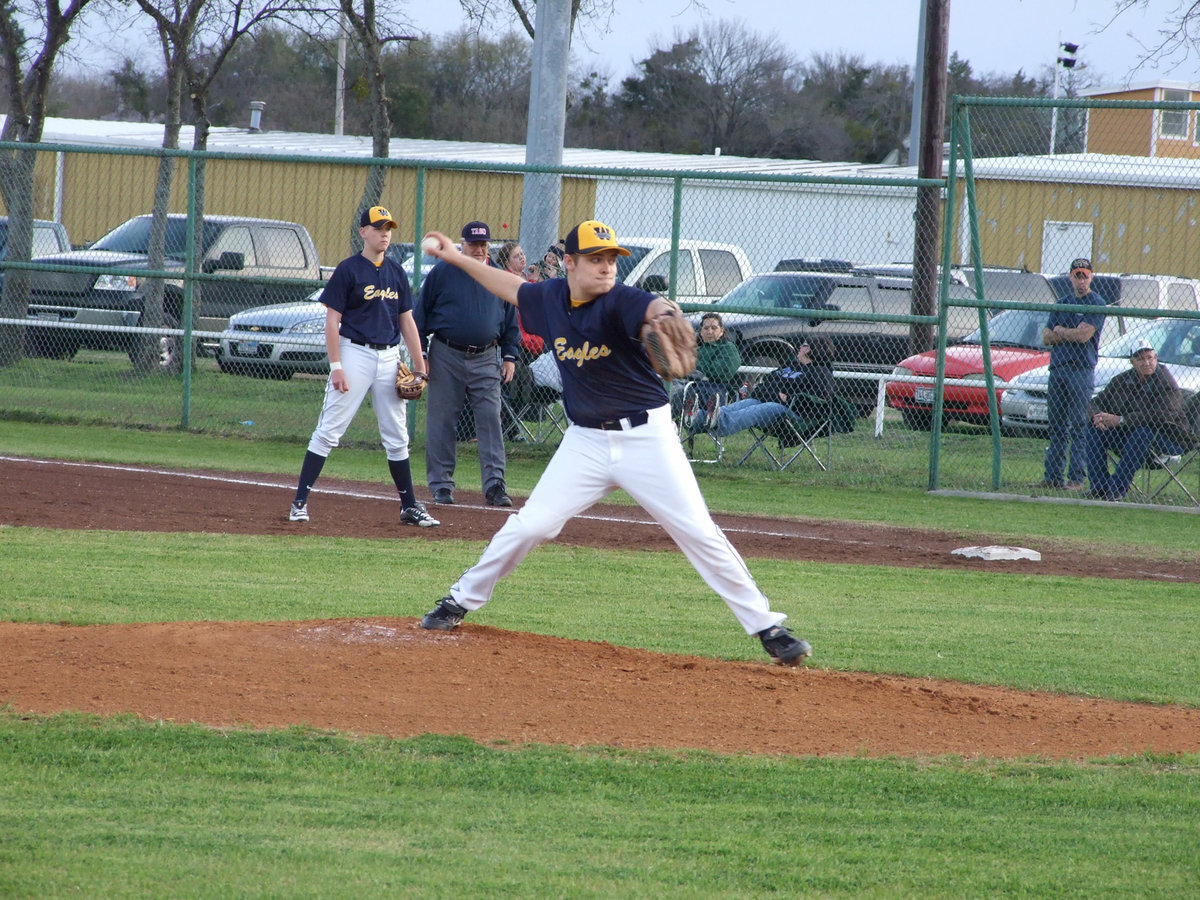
(953, 399)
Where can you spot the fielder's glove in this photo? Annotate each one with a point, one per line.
(410, 385)
(670, 342)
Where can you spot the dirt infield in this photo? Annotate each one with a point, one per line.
(387, 676)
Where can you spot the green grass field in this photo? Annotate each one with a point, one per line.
(124, 808)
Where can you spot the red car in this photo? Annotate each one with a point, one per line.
(1015, 336)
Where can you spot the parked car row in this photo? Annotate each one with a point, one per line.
(1016, 341)
(1176, 341)
(256, 249)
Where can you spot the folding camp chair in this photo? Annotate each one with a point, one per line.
(1164, 470)
(795, 436)
(705, 405)
(540, 418)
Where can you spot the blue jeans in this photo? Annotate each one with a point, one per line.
(749, 413)
(1070, 389)
(1133, 445)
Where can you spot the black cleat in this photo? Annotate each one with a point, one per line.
(443, 496)
(446, 616)
(783, 646)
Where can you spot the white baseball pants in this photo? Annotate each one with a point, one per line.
(649, 463)
(366, 370)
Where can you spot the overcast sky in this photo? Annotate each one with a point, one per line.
(997, 36)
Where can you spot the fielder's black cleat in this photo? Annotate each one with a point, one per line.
(783, 646)
(446, 616)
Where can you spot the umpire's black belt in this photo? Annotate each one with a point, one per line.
(465, 348)
(372, 346)
(633, 420)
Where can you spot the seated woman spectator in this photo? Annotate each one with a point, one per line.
(715, 377)
(796, 394)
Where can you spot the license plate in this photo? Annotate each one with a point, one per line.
(48, 316)
(923, 395)
(1037, 412)
(246, 348)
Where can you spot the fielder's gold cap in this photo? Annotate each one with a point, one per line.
(377, 216)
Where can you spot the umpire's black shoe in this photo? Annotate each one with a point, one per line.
(446, 616)
(444, 496)
(782, 645)
(498, 496)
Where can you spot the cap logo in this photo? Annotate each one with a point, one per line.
(479, 233)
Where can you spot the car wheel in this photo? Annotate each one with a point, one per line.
(916, 419)
(51, 343)
(162, 353)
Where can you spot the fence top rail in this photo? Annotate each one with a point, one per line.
(520, 168)
(1073, 103)
(1142, 312)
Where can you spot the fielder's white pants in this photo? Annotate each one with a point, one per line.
(649, 463)
(366, 370)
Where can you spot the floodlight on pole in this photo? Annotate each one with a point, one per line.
(1061, 62)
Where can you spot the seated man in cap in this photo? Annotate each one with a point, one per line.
(1138, 411)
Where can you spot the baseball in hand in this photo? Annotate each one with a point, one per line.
(431, 245)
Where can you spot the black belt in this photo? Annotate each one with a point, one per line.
(633, 420)
(465, 348)
(372, 346)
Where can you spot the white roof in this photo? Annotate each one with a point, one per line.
(239, 140)
(1092, 168)
(1141, 86)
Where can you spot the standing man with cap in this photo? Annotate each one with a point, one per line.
(1138, 410)
(622, 435)
(1073, 339)
(474, 342)
(368, 309)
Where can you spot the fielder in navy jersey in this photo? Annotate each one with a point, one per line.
(622, 434)
(368, 310)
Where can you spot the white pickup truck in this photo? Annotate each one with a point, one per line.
(705, 271)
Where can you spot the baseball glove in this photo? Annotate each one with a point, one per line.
(410, 385)
(670, 342)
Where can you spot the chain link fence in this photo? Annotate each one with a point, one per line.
(223, 334)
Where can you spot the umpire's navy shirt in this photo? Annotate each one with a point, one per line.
(1074, 355)
(454, 306)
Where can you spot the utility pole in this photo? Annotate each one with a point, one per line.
(929, 165)
(339, 89)
(914, 127)
(541, 194)
(1060, 63)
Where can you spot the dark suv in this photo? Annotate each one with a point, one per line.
(254, 248)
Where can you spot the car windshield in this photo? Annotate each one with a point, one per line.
(1176, 341)
(134, 237)
(626, 264)
(1013, 328)
(781, 291)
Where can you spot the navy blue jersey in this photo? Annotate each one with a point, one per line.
(606, 373)
(1074, 354)
(370, 299)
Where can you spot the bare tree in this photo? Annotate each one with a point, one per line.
(32, 34)
(195, 37)
(1177, 39)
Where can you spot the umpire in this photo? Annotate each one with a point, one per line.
(472, 340)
